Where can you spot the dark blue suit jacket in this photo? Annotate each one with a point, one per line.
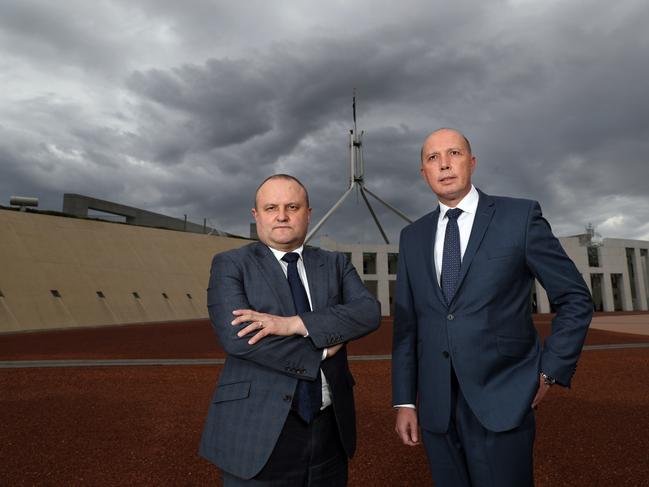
(254, 392)
(486, 332)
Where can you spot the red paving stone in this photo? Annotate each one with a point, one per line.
(116, 426)
(194, 339)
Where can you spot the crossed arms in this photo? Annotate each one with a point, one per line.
(280, 343)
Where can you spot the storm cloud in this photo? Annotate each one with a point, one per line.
(185, 108)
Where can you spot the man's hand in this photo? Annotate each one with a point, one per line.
(541, 392)
(266, 324)
(331, 351)
(407, 426)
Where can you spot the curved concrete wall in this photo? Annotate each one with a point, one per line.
(78, 258)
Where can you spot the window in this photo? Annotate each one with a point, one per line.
(189, 296)
(369, 262)
(55, 293)
(393, 259)
(348, 255)
(618, 292)
(644, 266)
(164, 295)
(136, 295)
(593, 256)
(596, 289)
(100, 294)
(630, 259)
(1, 294)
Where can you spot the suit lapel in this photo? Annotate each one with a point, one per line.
(483, 216)
(428, 251)
(271, 270)
(316, 274)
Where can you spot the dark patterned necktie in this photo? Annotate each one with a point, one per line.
(452, 256)
(308, 394)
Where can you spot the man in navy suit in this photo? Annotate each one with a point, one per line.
(282, 413)
(467, 365)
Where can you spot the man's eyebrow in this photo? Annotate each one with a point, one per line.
(296, 203)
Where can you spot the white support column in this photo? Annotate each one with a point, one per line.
(627, 298)
(607, 292)
(586, 278)
(382, 289)
(640, 284)
(542, 302)
(384, 296)
(357, 261)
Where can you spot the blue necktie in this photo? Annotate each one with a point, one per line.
(452, 256)
(308, 394)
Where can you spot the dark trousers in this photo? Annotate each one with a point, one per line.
(469, 455)
(306, 455)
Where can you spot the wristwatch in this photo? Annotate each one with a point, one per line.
(547, 380)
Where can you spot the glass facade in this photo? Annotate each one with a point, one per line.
(593, 256)
(393, 259)
(369, 262)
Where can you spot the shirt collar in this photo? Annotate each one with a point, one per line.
(280, 253)
(468, 204)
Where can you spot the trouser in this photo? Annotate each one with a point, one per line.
(305, 455)
(469, 455)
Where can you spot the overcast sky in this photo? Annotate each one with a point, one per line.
(184, 107)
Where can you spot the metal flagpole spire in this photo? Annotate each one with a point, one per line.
(357, 181)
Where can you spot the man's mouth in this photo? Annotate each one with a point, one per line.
(446, 179)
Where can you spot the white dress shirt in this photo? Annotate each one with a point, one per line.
(301, 270)
(469, 206)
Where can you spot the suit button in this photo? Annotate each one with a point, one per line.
(450, 317)
(288, 398)
(445, 353)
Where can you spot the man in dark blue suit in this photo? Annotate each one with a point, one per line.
(282, 413)
(467, 364)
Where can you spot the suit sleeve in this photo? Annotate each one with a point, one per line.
(404, 339)
(568, 294)
(355, 314)
(292, 355)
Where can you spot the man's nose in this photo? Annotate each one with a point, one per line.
(282, 215)
(444, 162)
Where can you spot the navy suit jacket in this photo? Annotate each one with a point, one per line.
(486, 333)
(255, 389)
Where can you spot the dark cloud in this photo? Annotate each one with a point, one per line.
(225, 102)
(74, 34)
(209, 98)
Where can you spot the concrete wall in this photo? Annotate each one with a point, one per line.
(77, 258)
(78, 205)
(382, 276)
(612, 262)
